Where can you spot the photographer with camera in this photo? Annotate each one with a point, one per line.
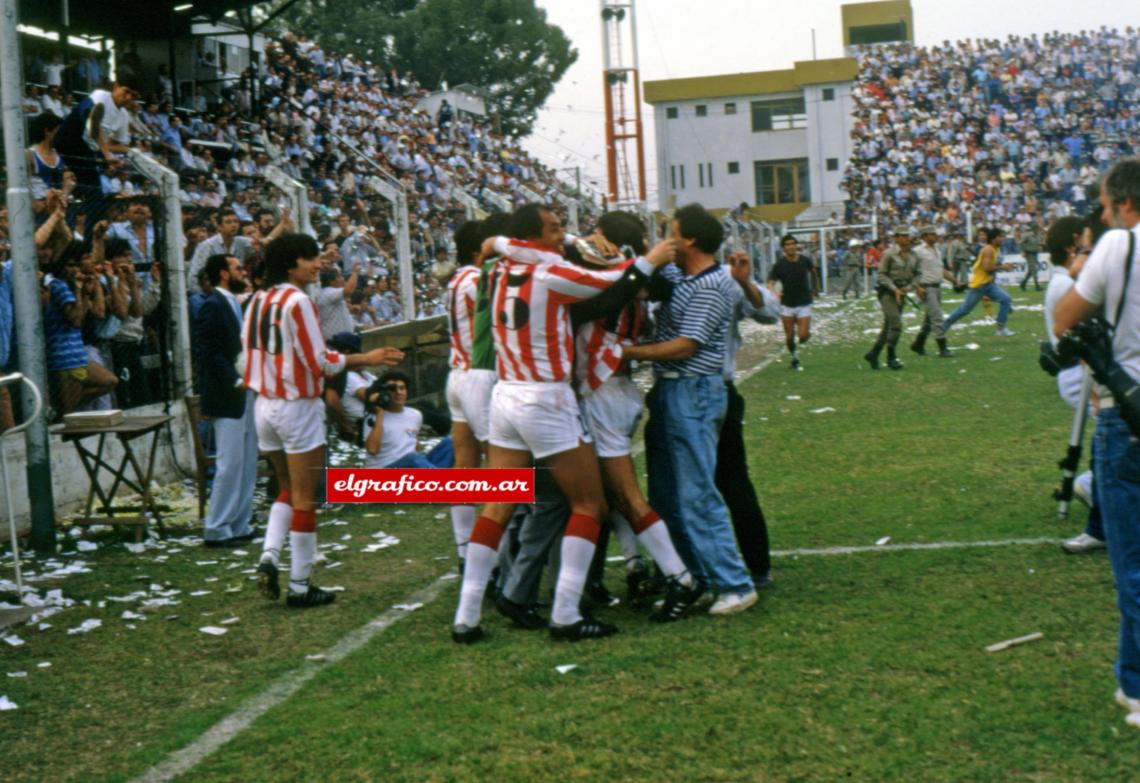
(393, 428)
(1110, 344)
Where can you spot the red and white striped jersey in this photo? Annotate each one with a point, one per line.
(461, 315)
(285, 354)
(599, 344)
(533, 288)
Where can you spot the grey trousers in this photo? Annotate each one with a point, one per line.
(533, 546)
(851, 279)
(892, 319)
(235, 474)
(932, 323)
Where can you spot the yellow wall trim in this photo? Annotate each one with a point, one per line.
(840, 69)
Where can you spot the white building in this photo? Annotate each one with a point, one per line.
(777, 141)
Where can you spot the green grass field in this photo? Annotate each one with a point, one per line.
(866, 666)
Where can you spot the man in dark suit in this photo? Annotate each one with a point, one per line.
(227, 404)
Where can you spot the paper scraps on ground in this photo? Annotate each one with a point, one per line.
(198, 593)
(13, 640)
(17, 674)
(85, 627)
(315, 657)
(44, 665)
(822, 410)
(230, 621)
(566, 667)
(407, 607)
(882, 540)
(334, 589)
(793, 397)
(213, 630)
(129, 615)
(136, 549)
(86, 546)
(449, 577)
(999, 646)
(206, 562)
(7, 704)
(971, 346)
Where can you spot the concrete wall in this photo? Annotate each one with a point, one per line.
(69, 481)
(719, 138)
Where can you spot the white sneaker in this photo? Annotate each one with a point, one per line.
(1128, 703)
(1086, 543)
(1003, 332)
(1133, 719)
(1082, 488)
(731, 603)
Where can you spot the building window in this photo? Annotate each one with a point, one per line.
(708, 167)
(730, 108)
(733, 167)
(672, 178)
(782, 182)
(682, 167)
(702, 110)
(782, 114)
(700, 175)
(829, 93)
(833, 164)
(671, 113)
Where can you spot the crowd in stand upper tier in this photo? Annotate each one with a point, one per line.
(1016, 131)
(340, 125)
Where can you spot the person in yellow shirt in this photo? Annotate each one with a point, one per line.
(983, 284)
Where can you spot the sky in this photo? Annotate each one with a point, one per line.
(682, 38)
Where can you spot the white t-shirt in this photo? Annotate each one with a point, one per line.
(1060, 281)
(398, 439)
(353, 405)
(53, 74)
(1101, 280)
(116, 121)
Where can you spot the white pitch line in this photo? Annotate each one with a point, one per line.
(181, 761)
(852, 550)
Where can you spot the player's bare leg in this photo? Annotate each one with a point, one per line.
(789, 324)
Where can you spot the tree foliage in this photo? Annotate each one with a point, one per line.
(506, 47)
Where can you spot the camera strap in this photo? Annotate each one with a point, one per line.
(1127, 276)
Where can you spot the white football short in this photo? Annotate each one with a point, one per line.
(542, 418)
(795, 312)
(469, 399)
(611, 412)
(292, 426)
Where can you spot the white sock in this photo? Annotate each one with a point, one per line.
(462, 523)
(280, 517)
(627, 539)
(576, 556)
(481, 560)
(656, 541)
(303, 553)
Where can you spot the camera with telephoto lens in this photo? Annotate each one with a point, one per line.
(380, 395)
(1091, 341)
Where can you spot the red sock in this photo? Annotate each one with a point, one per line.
(487, 533)
(651, 518)
(583, 526)
(285, 496)
(303, 521)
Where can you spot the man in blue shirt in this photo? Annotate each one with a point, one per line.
(687, 407)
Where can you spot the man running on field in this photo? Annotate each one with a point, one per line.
(798, 281)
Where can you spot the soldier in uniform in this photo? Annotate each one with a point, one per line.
(896, 277)
(1030, 247)
(959, 256)
(929, 278)
(853, 263)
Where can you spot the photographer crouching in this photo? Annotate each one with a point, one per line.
(392, 428)
(1099, 321)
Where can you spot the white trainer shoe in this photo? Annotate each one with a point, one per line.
(1004, 332)
(1133, 719)
(731, 603)
(1082, 488)
(1127, 702)
(1084, 543)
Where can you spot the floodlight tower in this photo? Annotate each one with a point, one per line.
(623, 104)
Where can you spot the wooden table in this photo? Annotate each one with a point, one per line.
(128, 430)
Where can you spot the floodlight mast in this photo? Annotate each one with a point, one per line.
(622, 85)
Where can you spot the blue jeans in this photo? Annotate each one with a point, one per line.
(442, 456)
(685, 417)
(1117, 477)
(975, 295)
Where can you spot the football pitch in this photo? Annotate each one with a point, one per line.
(912, 523)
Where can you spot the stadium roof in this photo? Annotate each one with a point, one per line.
(840, 69)
(129, 19)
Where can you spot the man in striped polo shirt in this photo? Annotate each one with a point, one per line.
(687, 406)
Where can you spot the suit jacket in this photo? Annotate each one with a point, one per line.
(217, 334)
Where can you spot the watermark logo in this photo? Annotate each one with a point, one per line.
(451, 486)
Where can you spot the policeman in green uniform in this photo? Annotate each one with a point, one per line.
(897, 273)
(928, 286)
(1030, 247)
